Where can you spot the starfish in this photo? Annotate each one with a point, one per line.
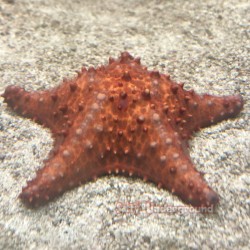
(122, 119)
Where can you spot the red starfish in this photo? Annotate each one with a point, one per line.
(121, 118)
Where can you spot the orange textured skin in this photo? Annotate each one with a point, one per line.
(121, 118)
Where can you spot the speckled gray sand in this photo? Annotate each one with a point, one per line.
(205, 45)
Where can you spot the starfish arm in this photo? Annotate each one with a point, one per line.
(177, 173)
(72, 162)
(53, 109)
(189, 111)
(66, 169)
(189, 185)
(210, 109)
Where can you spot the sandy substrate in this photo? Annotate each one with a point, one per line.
(205, 45)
